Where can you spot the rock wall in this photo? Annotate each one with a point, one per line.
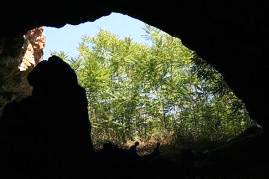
(18, 56)
(32, 49)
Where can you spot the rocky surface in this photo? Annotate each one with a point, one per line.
(32, 48)
(18, 55)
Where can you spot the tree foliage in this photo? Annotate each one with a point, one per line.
(162, 90)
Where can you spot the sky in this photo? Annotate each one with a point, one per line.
(68, 37)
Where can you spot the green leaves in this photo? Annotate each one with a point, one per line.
(163, 90)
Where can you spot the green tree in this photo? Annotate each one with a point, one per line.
(162, 90)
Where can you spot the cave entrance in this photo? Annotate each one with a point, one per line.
(145, 85)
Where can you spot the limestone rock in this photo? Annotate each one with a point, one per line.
(32, 49)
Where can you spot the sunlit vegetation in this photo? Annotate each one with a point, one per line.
(159, 92)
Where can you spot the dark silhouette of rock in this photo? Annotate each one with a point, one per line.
(133, 150)
(155, 153)
(49, 131)
(157, 149)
